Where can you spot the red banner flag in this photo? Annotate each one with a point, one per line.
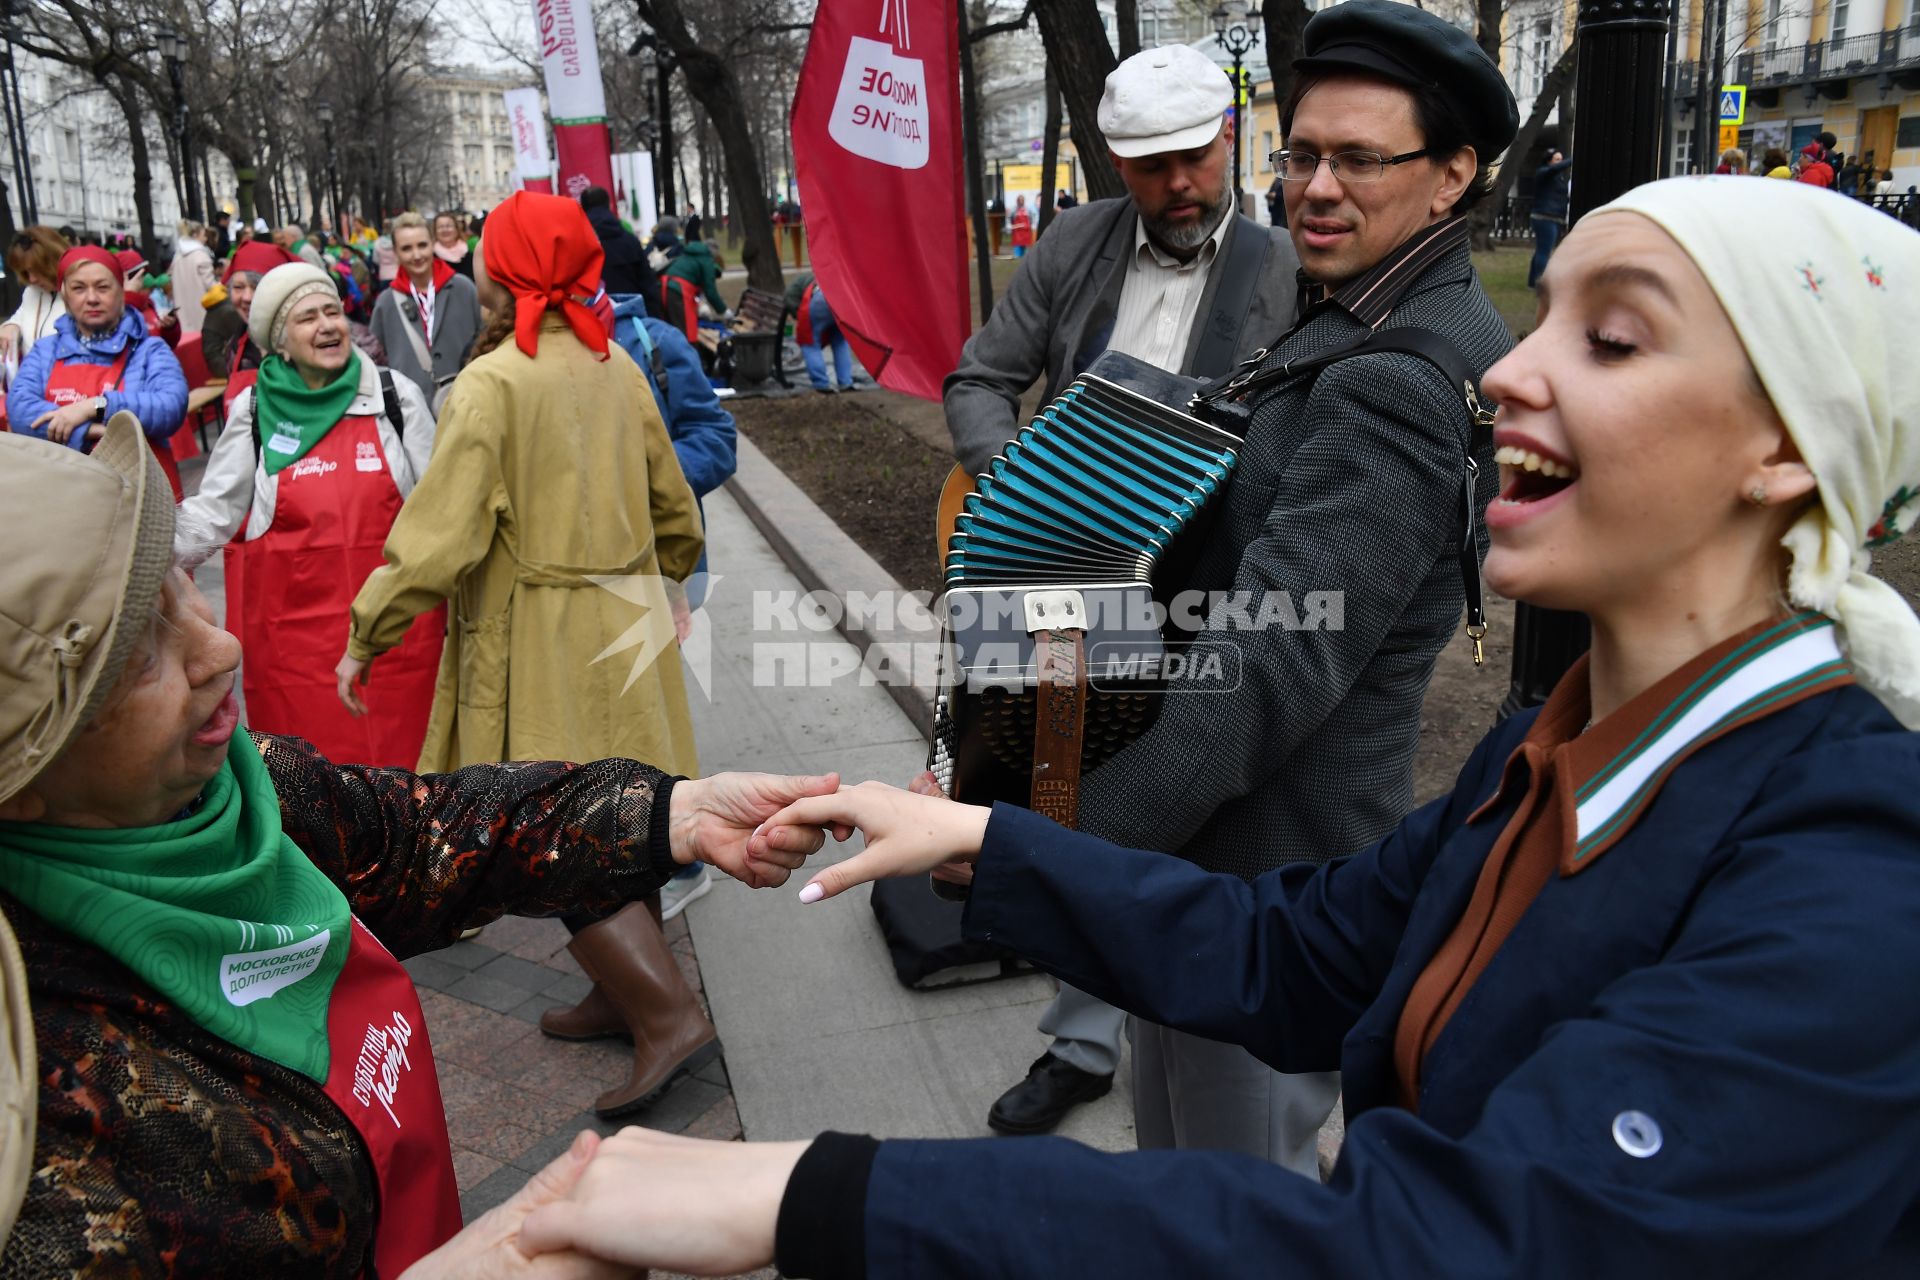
(876, 151)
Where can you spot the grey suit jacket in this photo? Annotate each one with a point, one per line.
(457, 324)
(1058, 314)
(1349, 482)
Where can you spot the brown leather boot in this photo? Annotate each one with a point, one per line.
(631, 965)
(594, 1018)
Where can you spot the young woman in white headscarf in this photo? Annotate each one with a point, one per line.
(1637, 998)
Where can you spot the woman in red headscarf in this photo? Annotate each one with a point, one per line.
(100, 360)
(238, 354)
(556, 519)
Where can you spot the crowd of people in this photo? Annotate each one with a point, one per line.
(1632, 999)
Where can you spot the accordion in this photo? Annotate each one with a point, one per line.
(1053, 629)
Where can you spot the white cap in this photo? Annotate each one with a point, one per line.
(1171, 99)
(260, 226)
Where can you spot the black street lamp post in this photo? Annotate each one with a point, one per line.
(663, 67)
(1236, 25)
(1619, 91)
(173, 52)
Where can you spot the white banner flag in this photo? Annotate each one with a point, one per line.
(531, 160)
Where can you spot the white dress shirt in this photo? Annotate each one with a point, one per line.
(1160, 298)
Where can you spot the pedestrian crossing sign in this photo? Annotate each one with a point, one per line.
(1733, 104)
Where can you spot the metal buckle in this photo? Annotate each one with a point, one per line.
(1482, 416)
(1477, 634)
(1055, 611)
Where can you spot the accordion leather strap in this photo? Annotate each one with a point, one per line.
(1059, 720)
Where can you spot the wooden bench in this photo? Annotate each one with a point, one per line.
(759, 329)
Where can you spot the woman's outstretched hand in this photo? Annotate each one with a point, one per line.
(907, 833)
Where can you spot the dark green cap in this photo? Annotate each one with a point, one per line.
(1413, 47)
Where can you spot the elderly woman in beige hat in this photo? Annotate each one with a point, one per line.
(234, 1074)
(302, 489)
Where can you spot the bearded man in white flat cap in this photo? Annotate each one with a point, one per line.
(1172, 274)
(1169, 274)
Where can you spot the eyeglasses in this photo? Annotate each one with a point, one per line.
(1347, 166)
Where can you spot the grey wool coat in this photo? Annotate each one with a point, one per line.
(456, 326)
(1058, 313)
(1348, 482)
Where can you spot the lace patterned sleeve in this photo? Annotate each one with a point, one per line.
(423, 856)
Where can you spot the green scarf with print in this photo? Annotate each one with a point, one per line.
(293, 417)
(218, 911)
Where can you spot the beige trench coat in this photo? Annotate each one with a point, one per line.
(546, 474)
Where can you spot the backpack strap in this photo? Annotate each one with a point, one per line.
(1442, 355)
(655, 361)
(390, 401)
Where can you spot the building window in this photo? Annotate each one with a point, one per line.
(1839, 31)
(1542, 55)
(1149, 31)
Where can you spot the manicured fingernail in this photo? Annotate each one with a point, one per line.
(580, 1145)
(812, 893)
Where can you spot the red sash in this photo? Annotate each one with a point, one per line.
(295, 584)
(688, 310)
(803, 317)
(70, 382)
(380, 1073)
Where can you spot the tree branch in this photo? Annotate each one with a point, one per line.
(978, 34)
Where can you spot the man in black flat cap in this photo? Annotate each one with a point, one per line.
(1352, 481)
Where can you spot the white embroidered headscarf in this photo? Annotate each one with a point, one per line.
(1825, 295)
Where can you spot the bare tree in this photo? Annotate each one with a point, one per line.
(1081, 58)
(708, 68)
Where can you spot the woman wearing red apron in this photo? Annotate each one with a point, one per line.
(100, 361)
(234, 1075)
(310, 472)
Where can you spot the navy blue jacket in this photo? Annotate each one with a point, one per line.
(153, 387)
(1741, 969)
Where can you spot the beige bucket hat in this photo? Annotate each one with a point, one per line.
(74, 592)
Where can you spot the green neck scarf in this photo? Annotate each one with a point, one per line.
(294, 417)
(217, 911)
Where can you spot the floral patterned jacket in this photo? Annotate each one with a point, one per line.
(163, 1150)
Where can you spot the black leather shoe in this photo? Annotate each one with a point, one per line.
(1041, 1101)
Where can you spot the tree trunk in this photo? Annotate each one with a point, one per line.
(1487, 14)
(244, 176)
(1077, 50)
(1481, 219)
(127, 98)
(1126, 17)
(975, 166)
(1050, 152)
(711, 81)
(1285, 20)
(10, 290)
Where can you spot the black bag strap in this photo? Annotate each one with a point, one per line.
(390, 401)
(1243, 264)
(1437, 351)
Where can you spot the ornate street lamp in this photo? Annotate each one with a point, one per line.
(1236, 25)
(173, 52)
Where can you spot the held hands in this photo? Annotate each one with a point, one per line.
(716, 819)
(908, 832)
(652, 1199)
(493, 1246)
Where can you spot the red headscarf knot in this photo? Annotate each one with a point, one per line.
(542, 250)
